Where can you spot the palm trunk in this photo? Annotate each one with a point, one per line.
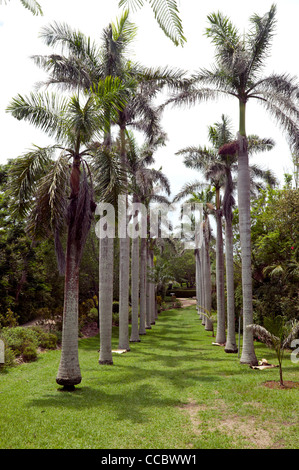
(202, 284)
(220, 334)
(197, 277)
(69, 373)
(248, 354)
(142, 321)
(231, 346)
(124, 266)
(106, 299)
(148, 316)
(152, 288)
(135, 289)
(208, 286)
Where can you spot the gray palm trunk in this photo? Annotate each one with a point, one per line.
(124, 290)
(207, 281)
(106, 299)
(69, 373)
(231, 346)
(248, 354)
(148, 316)
(202, 283)
(197, 277)
(220, 333)
(124, 261)
(142, 320)
(152, 288)
(135, 289)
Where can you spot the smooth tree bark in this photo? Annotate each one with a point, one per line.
(152, 288)
(231, 346)
(148, 316)
(124, 257)
(143, 282)
(220, 333)
(106, 298)
(69, 373)
(207, 276)
(135, 290)
(248, 354)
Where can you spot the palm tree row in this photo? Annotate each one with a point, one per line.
(106, 95)
(218, 165)
(237, 72)
(116, 93)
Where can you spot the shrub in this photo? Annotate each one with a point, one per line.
(45, 340)
(115, 306)
(29, 353)
(18, 338)
(9, 357)
(93, 314)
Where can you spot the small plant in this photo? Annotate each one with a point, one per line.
(211, 316)
(9, 319)
(29, 353)
(278, 335)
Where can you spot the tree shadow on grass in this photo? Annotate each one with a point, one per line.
(117, 404)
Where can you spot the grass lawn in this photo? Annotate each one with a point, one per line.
(173, 390)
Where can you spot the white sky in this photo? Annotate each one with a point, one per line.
(19, 40)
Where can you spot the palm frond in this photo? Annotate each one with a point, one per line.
(167, 15)
(259, 38)
(33, 6)
(24, 176)
(263, 334)
(48, 212)
(188, 189)
(293, 334)
(45, 111)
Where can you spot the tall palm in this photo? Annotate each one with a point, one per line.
(204, 197)
(62, 198)
(238, 73)
(217, 164)
(142, 182)
(109, 181)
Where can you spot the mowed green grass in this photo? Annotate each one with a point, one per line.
(173, 390)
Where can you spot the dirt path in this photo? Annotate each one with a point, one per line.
(187, 302)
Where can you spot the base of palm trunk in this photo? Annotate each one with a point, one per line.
(134, 340)
(108, 363)
(68, 384)
(231, 350)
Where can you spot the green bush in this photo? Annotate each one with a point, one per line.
(18, 338)
(29, 353)
(115, 306)
(45, 340)
(93, 314)
(9, 357)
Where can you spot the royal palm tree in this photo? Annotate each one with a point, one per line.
(238, 73)
(142, 182)
(63, 198)
(217, 164)
(109, 182)
(204, 197)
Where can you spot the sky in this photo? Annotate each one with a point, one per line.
(19, 39)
